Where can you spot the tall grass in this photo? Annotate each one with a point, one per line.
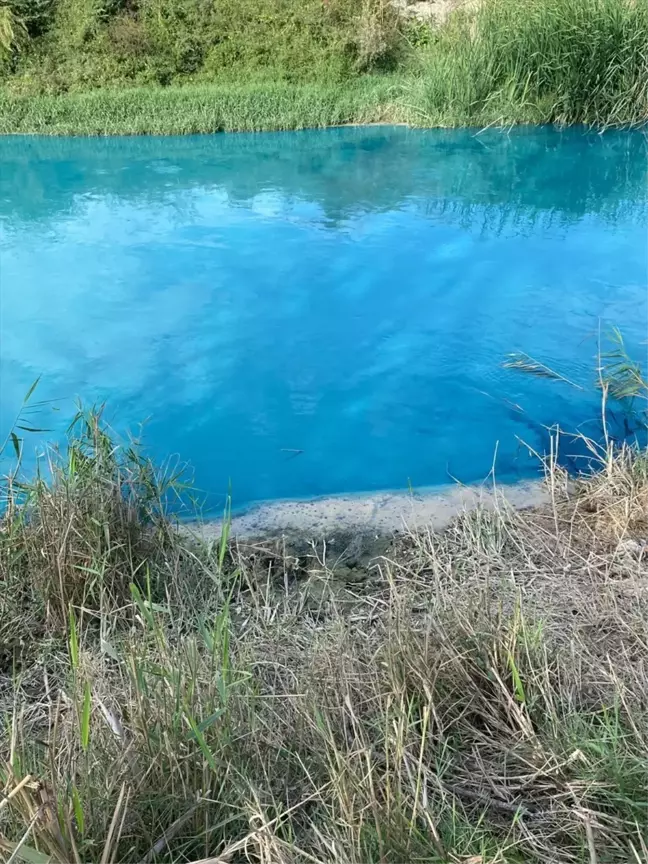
(474, 696)
(562, 61)
(287, 65)
(203, 108)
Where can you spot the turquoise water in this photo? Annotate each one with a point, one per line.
(311, 313)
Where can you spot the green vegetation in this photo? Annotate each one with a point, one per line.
(472, 696)
(168, 66)
(200, 108)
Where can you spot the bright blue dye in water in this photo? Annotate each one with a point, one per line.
(349, 294)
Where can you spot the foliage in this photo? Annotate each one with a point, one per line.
(562, 61)
(20, 22)
(109, 500)
(95, 44)
(622, 376)
(36, 15)
(12, 31)
(504, 61)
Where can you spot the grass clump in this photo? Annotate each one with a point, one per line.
(557, 61)
(168, 66)
(477, 695)
(93, 516)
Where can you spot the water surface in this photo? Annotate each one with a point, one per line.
(313, 313)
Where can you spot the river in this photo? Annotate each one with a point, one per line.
(321, 312)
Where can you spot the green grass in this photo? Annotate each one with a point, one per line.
(559, 61)
(171, 67)
(228, 107)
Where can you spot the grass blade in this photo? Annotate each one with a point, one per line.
(85, 717)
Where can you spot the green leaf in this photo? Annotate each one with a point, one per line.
(109, 649)
(517, 680)
(78, 810)
(142, 606)
(222, 689)
(15, 440)
(30, 392)
(319, 720)
(27, 853)
(225, 532)
(157, 607)
(207, 637)
(73, 641)
(206, 723)
(85, 717)
(200, 738)
(32, 429)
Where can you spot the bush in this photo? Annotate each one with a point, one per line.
(128, 37)
(12, 33)
(310, 40)
(378, 35)
(36, 15)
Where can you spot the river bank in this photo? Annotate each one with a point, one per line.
(147, 69)
(386, 513)
(181, 698)
(205, 108)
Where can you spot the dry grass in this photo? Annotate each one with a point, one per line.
(477, 696)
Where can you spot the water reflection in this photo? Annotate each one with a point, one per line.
(526, 173)
(347, 294)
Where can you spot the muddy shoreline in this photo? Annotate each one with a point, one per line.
(381, 513)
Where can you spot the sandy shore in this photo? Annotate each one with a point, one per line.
(381, 512)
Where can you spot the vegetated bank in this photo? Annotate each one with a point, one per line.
(182, 66)
(477, 695)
